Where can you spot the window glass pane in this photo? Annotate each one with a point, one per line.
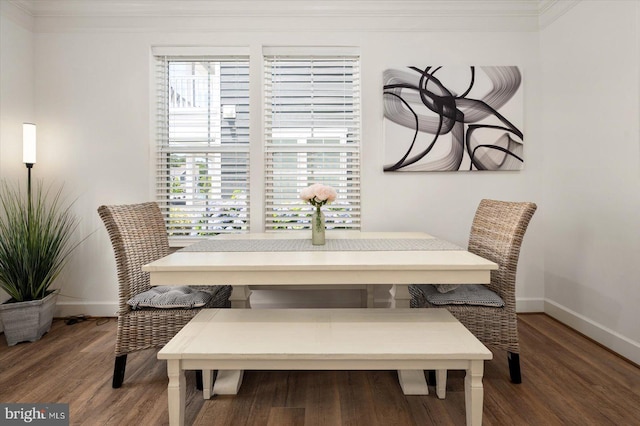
(312, 125)
(203, 155)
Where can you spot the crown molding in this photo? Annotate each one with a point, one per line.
(279, 8)
(551, 10)
(18, 14)
(356, 15)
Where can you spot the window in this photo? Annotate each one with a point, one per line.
(312, 135)
(202, 175)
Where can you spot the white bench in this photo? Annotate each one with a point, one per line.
(325, 339)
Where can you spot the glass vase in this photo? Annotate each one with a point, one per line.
(317, 227)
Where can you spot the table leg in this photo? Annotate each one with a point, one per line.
(413, 382)
(441, 383)
(176, 392)
(370, 295)
(473, 392)
(240, 297)
(207, 384)
(400, 296)
(228, 382)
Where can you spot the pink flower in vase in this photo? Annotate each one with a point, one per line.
(318, 194)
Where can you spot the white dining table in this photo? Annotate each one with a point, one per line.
(250, 260)
(349, 257)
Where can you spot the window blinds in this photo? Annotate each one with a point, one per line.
(202, 164)
(312, 135)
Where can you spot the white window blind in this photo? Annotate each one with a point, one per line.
(202, 175)
(312, 135)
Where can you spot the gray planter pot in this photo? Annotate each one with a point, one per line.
(27, 321)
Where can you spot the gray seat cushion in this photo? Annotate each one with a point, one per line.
(445, 288)
(170, 297)
(467, 294)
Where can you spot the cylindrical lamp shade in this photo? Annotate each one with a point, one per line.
(29, 143)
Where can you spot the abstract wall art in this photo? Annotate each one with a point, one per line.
(453, 118)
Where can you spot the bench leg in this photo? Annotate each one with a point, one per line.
(473, 393)
(228, 382)
(176, 392)
(413, 382)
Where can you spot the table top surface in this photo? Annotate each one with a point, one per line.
(390, 260)
(332, 333)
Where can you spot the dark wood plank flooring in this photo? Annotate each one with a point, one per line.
(567, 380)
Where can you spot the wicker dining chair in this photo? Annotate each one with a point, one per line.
(496, 234)
(138, 235)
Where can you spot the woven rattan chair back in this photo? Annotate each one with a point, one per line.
(496, 234)
(138, 235)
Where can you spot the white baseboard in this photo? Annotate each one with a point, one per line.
(529, 305)
(92, 309)
(605, 336)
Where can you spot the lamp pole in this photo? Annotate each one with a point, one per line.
(29, 154)
(29, 167)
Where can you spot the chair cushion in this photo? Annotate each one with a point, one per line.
(170, 297)
(467, 294)
(445, 288)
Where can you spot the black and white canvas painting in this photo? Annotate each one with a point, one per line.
(452, 118)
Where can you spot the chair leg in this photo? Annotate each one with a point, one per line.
(199, 385)
(514, 367)
(118, 370)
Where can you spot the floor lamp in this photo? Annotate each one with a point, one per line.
(29, 151)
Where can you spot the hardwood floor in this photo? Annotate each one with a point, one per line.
(567, 380)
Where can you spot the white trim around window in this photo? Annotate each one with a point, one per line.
(312, 135)
(202, 144)
(211, 171)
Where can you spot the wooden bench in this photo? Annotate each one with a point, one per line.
(325, 339)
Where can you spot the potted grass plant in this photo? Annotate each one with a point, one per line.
(35, 244)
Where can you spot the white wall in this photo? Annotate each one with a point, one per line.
(16, 92)
(16, 81)
(16, 84)
(92, 93)
(592, 175)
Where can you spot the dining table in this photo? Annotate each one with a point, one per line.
(255, 260)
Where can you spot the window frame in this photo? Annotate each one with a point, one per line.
(292, 213)
(255, 149)
(219, 220)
